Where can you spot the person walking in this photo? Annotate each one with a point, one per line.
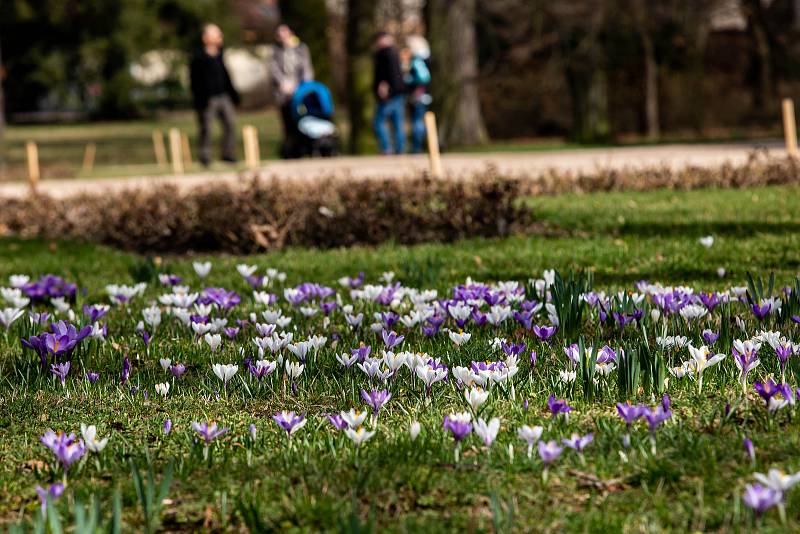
(213, 95)
(389, 92)
(289, 67)
(417, 76)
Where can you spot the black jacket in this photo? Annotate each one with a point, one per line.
(209, 77)
(387, 69)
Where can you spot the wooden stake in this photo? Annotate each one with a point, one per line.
(252, 155)
(33, 164)
(88, 157)
(175, 150)
(789, 127)
(187, 151)
(159, 148)
(433, 145)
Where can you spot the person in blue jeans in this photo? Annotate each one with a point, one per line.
(389, 91)
(414, 60)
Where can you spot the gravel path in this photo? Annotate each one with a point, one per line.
(530, 164)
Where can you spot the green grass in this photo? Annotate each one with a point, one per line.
(693, 483)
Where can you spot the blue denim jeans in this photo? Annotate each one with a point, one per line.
(392, 109)
(418, 110)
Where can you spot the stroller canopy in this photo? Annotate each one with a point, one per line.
(312, 99)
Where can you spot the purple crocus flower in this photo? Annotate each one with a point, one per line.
(760, 498)
(337, 421)
(511, 349)
(362, 352)
(544, 332)
(328, 307)
(92, 377)
(783, 351)
(767, 389)
(533, 359)
(66, 447)
(578, 442)
(95, 312)
(231, 331)
(655, 416)
(391, 339)
(60, 370)
(126, 370)
(549, 451)
(761, 310)
(710, 337)
(167, 427)
(376, 399)
(51, 494)
(629, 413)
(208, 431)
(749, 449)
(223, 298)
(458, 425)
(145, 337)
(558, 406)
(177, 369)
(524, 318)
(290, 422)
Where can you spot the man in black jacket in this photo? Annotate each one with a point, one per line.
(390, 95)
(213, 94)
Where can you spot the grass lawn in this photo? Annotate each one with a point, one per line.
(694, 481)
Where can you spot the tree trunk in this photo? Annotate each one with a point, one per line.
(650, 88)
(588, 85)
(762, 86)
(2, 119)
(360, 28)
(454, 65)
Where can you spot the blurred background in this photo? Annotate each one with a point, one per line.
(506, 74)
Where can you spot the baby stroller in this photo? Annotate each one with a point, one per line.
(314, 133)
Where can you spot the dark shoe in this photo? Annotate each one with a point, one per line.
(229, 160)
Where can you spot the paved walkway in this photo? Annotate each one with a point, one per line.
(529, 164)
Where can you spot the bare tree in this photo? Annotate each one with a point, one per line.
(360, 28)
(454, 65)
(2, 118)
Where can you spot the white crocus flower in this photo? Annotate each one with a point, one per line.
(202, 268)
(459, 338)
(225, 371)
(358, 436)
(530, 434)
(9, 315)
(778, 480)
(89, 434)
(165, 363)
(213, 340)
(246, 270)
(706, 241)
(414, 429)
(475, 398)
(354, 418)
(294, 369)
(18, 280)
(700, 362)
(487, 431)
(163, 389)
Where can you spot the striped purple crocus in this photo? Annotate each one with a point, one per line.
(208, 431)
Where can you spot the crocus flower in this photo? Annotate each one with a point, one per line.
(578, 442)
(459, 338)
(337, 421)
(549, 451)
(177, 369)
(710, 337)
(66, 447)
(745, 355)
(162, 389)
(414, 429)
(749, 449)
(544, 332)
(487, 431)
(126, 370)
(783, 351)
(557, 407)
(376, 400)
(778, 480)
(760, 498)
(290, 422)
(92, 377)
(358, 436)
(224, 372)
(51, 493)
(167, 427)
(458, 424)
(391, 339)
(700, 362)
(475, 398)
(89, 434)
(208, 431)
(530, 435)
(60, 370)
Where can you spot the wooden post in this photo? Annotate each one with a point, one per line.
(789, 127)
(252, 155)
(33, 165)
(186, 148)
(175, 150)
(88, 157)
(433, 145)
(159, 148)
